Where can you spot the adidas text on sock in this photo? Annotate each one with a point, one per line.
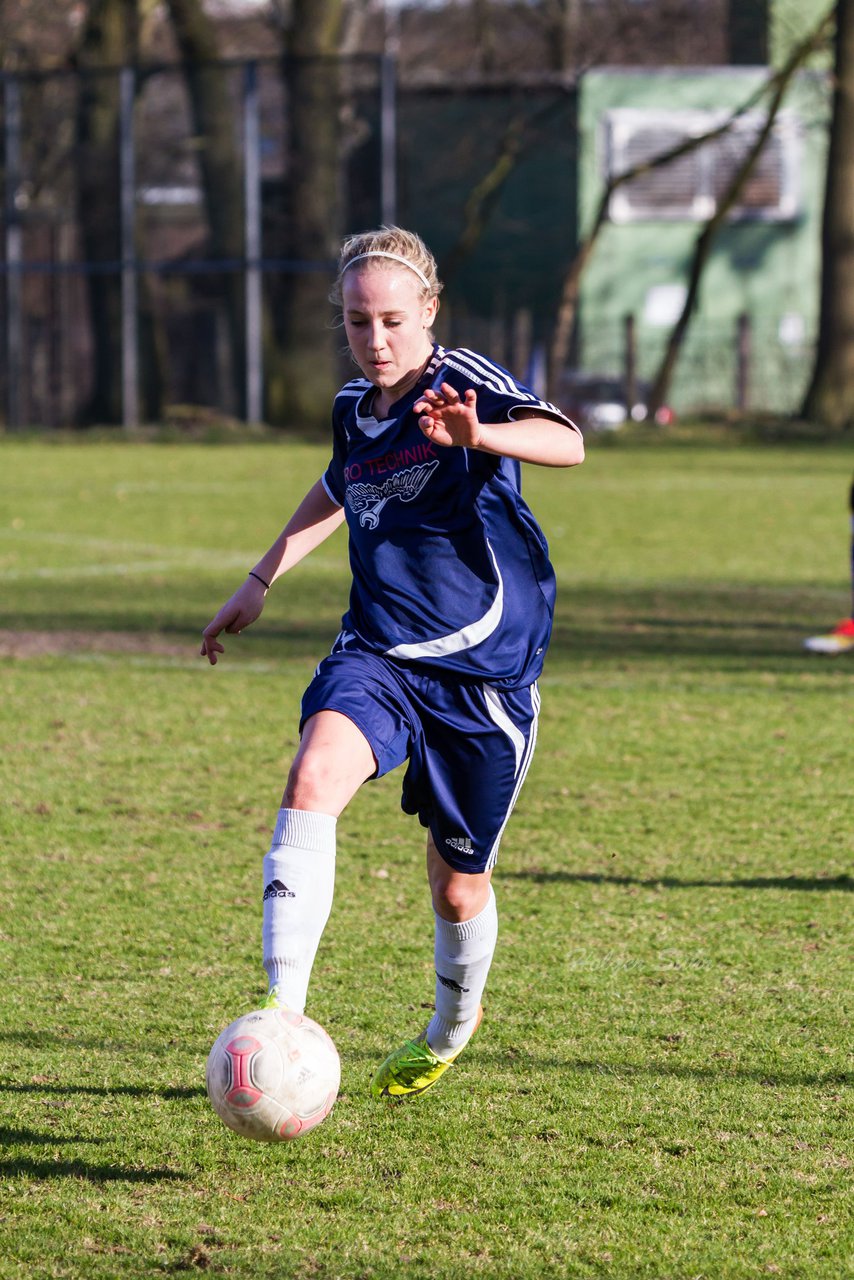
(463, 953)
(299, 880)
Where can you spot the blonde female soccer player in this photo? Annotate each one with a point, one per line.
(448, 623)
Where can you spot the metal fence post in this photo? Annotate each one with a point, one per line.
(630, 363)
(130, 316)
(743, 359)
(254, 371)
(14, 251)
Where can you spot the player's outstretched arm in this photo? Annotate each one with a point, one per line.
(316, 517)
(448, 419)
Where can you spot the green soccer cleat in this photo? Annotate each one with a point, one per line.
(413, 1068)
(272, 1000)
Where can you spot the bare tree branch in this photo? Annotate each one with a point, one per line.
(830, 397)
(568, 305)
(703, 245)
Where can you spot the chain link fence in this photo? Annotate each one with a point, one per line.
(169, 236)
(752, 364)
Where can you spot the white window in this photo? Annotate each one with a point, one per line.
(689, 187)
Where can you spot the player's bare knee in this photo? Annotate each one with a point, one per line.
(459, 897)
(307, 786)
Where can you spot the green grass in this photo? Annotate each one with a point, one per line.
(659, 1089)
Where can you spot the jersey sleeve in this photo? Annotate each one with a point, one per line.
(500, 398)
(333, 477)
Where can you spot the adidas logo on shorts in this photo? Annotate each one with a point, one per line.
(462, 844)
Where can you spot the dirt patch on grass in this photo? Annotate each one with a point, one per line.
(41, 644)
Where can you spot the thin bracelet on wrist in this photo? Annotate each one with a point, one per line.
(257, 576)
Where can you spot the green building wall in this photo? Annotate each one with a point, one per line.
(790, 21)
(768, 270)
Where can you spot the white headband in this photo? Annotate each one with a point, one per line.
(381, 253)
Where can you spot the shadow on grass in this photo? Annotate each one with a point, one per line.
(713, 620)
(810, 884)
(528, 1067)
(703, 620)
(85, 1171)
(44, 1038)
(70, 634)
(8, 1137)
(674, 638)
(169, 1094)
(33, 1138)
(623, 1070)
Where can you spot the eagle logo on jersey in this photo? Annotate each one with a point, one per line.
(368, 500)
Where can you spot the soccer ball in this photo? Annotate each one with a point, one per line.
(273, 1075)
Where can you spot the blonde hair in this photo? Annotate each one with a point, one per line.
(389, 246)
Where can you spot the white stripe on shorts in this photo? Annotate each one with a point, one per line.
(524, 752)
(499, 716)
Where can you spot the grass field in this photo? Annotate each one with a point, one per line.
(658, 1091)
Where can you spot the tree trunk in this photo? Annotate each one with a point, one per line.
(214, 116)
(110, 39)
(484, 23)
(105, 44)
(302, 357)
(830, 398)
(565, 21)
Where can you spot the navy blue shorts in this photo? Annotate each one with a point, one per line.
(468, 744)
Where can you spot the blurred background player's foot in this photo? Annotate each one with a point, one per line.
(839, 640)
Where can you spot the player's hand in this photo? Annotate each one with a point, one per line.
(238, 612)
(447, 419)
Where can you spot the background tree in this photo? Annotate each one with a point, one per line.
(108, 41)
(830, 398)
(214, 115)
(301, 362)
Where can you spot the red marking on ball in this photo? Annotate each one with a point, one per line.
(242, 1092)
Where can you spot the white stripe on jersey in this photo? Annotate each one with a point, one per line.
(354, 388)
(435, 362)
(488, 370)
(466, 638)
(484, 374)
(476, 367)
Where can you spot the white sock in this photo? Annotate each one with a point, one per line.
(463, 954)
(299, 878)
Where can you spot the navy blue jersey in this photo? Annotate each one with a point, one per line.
(450, 569)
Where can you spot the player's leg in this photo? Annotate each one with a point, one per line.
(465, 934)
(333, 760)
(465, 784)
(355, 725)
(458, 896)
